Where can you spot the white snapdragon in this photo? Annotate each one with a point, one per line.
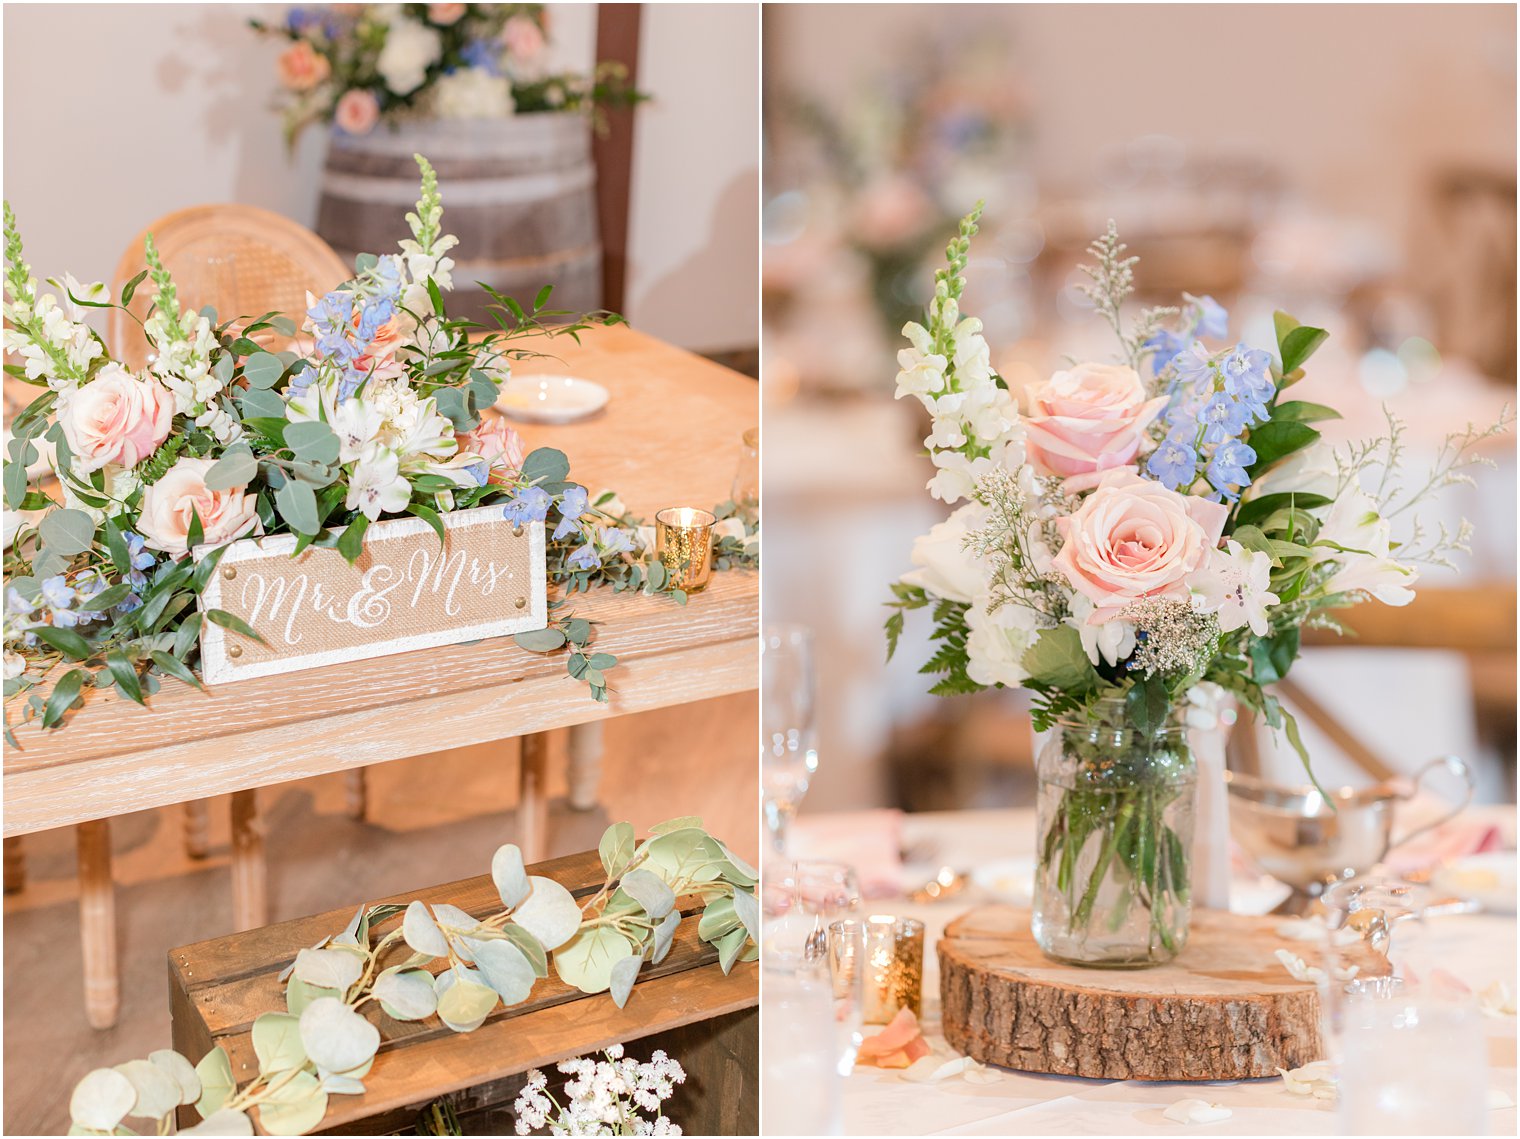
(182, 359)
(51, 346)
(1356, 539)
(410, 49)
(223, 427)
(1235, 585)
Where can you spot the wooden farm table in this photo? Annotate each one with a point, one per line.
(671, 435)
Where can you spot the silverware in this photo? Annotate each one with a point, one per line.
(947, 883)
(1307, 841)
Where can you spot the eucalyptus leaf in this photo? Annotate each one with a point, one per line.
(616, 848)
(406, 994)
(586, 961)
(263, 370)
(421, 933)
(298, 994)
(233, 469)
(296, 1108)
(335, 1084)
(681, 855)
(67, 532)
(357, 928)
(730, 946)
(259, 404)
(464, 1001)
(336, 1037)
(650, 891)
(664, 936)
(313, 441)
(505, 969)
(329, 968)
(546, 465)
(749, 912)
(215, 1074)
(297, 504)
(549, 912)
(277, 1042)
(625, 971)
(452, 917)
(181, 1071)
(529, 946)
(222, 1123)
(669, 826)
(508, 874)
(102, 1100)
(156, 1090)
(718, 920)
(541, 640)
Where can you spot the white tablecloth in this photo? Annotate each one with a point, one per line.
(877, 1102)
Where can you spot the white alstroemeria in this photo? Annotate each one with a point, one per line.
(410, 49)
(1109, 642)
(1316, 1079)
(376, 486)
(945, 567)
(222, 427)
(998, 641)
(1196, 1111)
(1235, 585)
(357, 423)
(1356, 538)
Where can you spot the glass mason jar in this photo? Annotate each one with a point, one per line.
(1115, 827)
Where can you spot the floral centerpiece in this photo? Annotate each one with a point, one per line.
(355, 65)
(378, 415)
(1140, 528)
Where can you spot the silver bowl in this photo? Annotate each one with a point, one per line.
(1307, 841)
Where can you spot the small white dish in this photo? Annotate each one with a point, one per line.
(550, 399)
(1008, 880)
(1488, 879)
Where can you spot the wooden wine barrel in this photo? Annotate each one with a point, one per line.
(519, 193)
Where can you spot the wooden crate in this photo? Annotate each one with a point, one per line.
(684, 1005)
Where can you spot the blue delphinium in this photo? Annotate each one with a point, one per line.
(1174, 463)
(572, 504)
(1223, 417)
(1227, 468)
(1208, 316)
(1163, 347)
(615, 540)
(331, 318)
(529, 504)
(584, 557)
(483, 54)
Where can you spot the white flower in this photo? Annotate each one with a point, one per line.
(376, 486)
(945, 567)
(1316, 1079)
(729, 528)
(223, 427)
(473, 93)
(410, 49)
(998, 641)
(356, 423)
(15, 665)
(1196, 1111)
(1234, 583)
(1310, 471)
(1357, 539)
(1498, 999)
(922, 369)
(1111, 641)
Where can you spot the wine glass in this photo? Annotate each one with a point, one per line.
(1404, 1037)
(788, 740)
(801, 1088)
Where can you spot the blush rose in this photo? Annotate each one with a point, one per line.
(167, 506)
(118, 418)
(496, 442)
(302, 68)
(1091, 418)
(1133, 539)
(357, 112)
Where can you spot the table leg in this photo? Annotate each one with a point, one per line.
(15, 866)
(533, 798)
(250, 890)
(197, 823)
(585, 770)
(97, 924)
(356, 793)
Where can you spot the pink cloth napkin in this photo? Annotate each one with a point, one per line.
(870, 841)
(1456, 839)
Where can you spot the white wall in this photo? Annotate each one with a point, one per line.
(115, 114)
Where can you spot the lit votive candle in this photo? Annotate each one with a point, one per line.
(888, 955)
(683, 543)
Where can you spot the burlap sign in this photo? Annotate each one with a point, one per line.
(405, 592)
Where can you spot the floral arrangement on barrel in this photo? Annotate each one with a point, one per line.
(440, 961)
(355, 65)
(380, 416)
(1141, 528)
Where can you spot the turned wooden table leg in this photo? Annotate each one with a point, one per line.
(356, 793)
(15, 866)
(585, 771)
(197, 822)
(250, 888)
(97, 924)
(533, 800)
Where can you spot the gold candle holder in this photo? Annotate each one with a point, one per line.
(887, 954)
(683, 543)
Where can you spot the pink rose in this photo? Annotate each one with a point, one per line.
(167, 505)
(117, 418)
(302, 68)
(357, 113)
(523, 38)
(445, 14)
(499, 445)
(1090, 419)
(1132, 539)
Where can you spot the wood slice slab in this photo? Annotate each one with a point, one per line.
(1226, 1009)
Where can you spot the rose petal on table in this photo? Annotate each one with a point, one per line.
(1196, 1111)
(982, 1074)
(896, 1046)
(1314, 1079)
(1297, 968)
(1498, 999)
(932, 1069)
(1499, 1099)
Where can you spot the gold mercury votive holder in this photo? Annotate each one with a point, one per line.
(683, 543)
(889, 957)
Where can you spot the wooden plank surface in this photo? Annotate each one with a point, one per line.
(669, 436)
(218, 987)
